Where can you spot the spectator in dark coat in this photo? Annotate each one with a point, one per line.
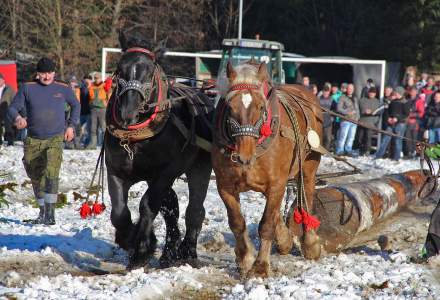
(85, 109)
(327, 102)
(369, 115)
(395, 116)
(433, 118)
(428, 90)
(366, 88)
(6, 96)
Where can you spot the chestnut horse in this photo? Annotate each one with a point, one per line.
(258, 147)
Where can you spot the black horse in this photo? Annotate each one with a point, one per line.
(151, 132)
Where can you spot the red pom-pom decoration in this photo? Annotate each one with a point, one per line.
(85, 210)
(304, 218)
(98, 208)
(265, 130)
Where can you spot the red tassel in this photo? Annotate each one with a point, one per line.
(309, 221)
(85, 210)
(265, 130)
(297, 217)
(98, 208)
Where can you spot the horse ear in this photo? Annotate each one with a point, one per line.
(262, 72)
(160, 48)
(230, 72)
(123, 40)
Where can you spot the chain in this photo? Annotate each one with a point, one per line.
(124, 143)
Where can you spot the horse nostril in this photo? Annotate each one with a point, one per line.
(245, 161)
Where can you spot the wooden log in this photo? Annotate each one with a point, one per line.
(345, 210)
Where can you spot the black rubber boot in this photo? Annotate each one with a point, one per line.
(40, 219)
(49, 217)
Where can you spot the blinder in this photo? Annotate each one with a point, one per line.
(136, 85)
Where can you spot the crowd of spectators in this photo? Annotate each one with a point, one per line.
(411, 110)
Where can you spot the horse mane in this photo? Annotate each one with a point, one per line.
(246, 73)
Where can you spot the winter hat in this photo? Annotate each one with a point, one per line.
(399, 90)
(45, 65)
(372, 90)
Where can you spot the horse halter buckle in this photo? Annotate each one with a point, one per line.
(234, 157)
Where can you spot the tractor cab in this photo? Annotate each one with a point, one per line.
(238, 51)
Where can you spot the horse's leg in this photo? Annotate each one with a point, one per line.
(244, 250)
(267, 229)
(143, 239)
(170, 213)
(283, 238)
(120, 215)
(198, 180)
(310, 244)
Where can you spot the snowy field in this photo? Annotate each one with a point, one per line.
(77, 258)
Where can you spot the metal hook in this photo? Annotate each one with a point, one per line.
(124, 144)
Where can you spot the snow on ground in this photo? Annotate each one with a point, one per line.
(62, 261)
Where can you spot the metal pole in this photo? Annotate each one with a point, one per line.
(381, 93)
(240, 18)
(103, 61)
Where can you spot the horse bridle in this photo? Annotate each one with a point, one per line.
(237, 129)
(144, 89)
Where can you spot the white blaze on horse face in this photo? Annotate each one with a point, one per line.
(246, 99)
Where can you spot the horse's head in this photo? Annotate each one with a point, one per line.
(137, 80)
(248, 108)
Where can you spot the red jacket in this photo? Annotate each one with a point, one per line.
(417, 110)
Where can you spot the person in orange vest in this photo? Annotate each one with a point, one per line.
(98, 98)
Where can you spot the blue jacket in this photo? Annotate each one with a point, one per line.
(44, 106)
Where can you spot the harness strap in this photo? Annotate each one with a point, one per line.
(199, 141)
(142, 50)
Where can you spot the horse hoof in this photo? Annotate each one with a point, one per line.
(166, 263)
(259, 270)
(310, 246)
(284, 249)
(193, 262)
(135, 264)
(186, 253)
(123, 239)
(168, 259)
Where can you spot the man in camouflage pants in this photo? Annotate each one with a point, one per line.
(43, 101)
